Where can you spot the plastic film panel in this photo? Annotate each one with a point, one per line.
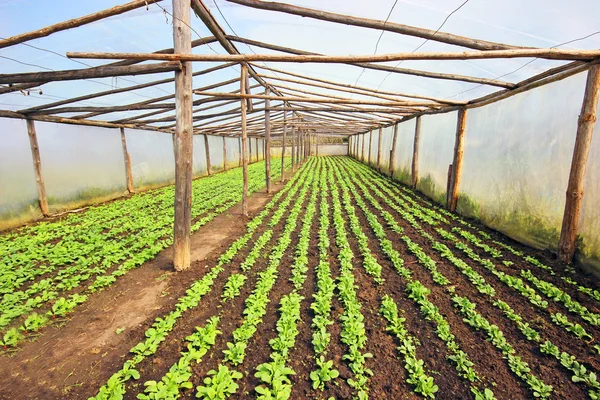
(233, 151)
(436, 151)
(19, 200)
(152, 157)
(81, 164)
(215, 146)
(517, 159)
(386, 146)
(404, 151)
(198, 156)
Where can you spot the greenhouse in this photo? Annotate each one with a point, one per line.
(225, 199)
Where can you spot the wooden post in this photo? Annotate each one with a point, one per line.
(370, 146)
(250, 151)
(415, 160)
(257, 155)
(37, 167)
(283, 147)
(393, 151)
(207, 152)
(240, 151)
(224, 154)
(379, 149)
(243, 105)
(459, 147)
(317, 145)
(268, 140)
(128, 174)
(581, 152)
(182, 41)
(363, 147)
(293, 147)
(448, 184)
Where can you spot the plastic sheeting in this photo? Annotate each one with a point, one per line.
(331, 149)
(386, 144)
(517, 160)
(80, 165)
(589, 227)
(18, 191)
(436, 151)
(233, 151)
(153, 159)
(198, 157)
(404, 151)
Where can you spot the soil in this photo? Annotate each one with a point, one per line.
(73, 360)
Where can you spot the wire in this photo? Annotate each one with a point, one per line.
(378, 40)
(527, 63)
(426, 40)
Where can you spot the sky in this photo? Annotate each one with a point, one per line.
(526, 23)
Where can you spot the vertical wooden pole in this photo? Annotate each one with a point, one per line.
(363, 147)
(581, 152)
(459, 147)
(182, 44)
(128, 174)
(415, 159)
(379, 149)
(256, 143)
(293, 147)
(224, 154)
(207, 152)
(250, 151)
(393, 151)
(240, 151)
(317, 144)
(243, 105)
(370, 145)
(283, 146)
(37, 167)
(268, 140)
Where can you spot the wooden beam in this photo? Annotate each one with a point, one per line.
(268, 142)
(207, 155)
(243, 105)
(86, 73)
(183, 138)
(224, 153)
(387, 26)
(72, 23)
(549, 54)
(283, 147)
(127, 158)
(581, 152)
(393, 151)
(387, 68)
(415, 158)
(37, 167)
(379, 149)
(459, 146)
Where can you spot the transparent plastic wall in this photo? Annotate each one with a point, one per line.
(198, 157)
(371, 147)
(386, 145)
(589, 226)
(152, 157)
(517, 159)
(436, 151)
(404, 151)
(215, 145)
(233, 151)
(81, 164)
(332, 150)
(19, 201)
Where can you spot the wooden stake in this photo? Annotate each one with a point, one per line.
(362, 158)
(183, 138)
(370, 145)
(249, 150)
(240, 151)
(207, 153)
(224, 153)
(393, 151)
(379, 149)
(243, 105)
(37, 166)
(581, 152)
(459, 146)
(268, 141)
(283, 147)
(415, 160)
(128, 174)
(293, 147)
(257, 154)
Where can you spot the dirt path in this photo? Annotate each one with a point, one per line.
(69, 358)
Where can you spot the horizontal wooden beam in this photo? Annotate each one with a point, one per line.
(550, 54)
(86, 73)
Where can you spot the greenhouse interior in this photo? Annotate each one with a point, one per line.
(235, 199)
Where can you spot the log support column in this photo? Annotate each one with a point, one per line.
(268, 140)
(362, 156)
(283, 147)
(127, 158)
(415, 158)
(37, 167)
(243, 105)
(294, 148)
(207, 152)
(393, 151)
(459, 146)
(370, 146)
(379, 149)
(182, 41)
(224, 153)
(581, 152)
